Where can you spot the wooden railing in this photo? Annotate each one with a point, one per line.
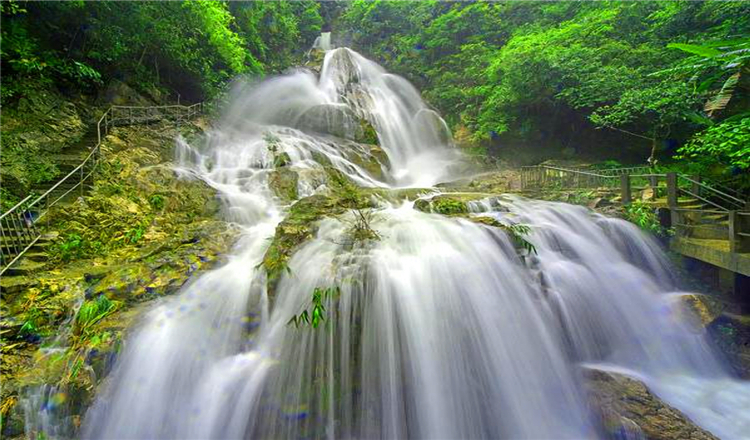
(20, 226)
(718, 213)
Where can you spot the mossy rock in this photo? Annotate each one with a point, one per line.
(448, 204)
(616, 398)
(300, 225)
(370, 163)
(177, 236)
(281, 160)
(367, 133)
(283, 183)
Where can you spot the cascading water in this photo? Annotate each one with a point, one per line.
(438, 329)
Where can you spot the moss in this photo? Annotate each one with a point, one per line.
(301, 222)
(283, 183)
(300, 225)
(178, 237)
(281, 160)
(368, 134)
(448, 204)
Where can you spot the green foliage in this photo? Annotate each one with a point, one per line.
(277, 32)
(135, 234)
(71, 247)
(317, 314)
(156, 201)
(518, 233)
(542, 72)
(645, 217)
(361, 229)
(727, 144)
(448, 206)
(193, 47)
(91, 312)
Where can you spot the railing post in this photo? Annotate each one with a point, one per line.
(625, 189)
(739, 232)
(672, 190)
(672, 197)
(733, 229)
(653, 182)
(695, 187)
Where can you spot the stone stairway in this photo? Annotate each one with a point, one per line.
(36, 259)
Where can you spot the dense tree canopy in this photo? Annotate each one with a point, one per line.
(627, 78)
(187, 47)
(568, 74)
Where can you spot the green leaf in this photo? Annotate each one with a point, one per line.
(695, 49)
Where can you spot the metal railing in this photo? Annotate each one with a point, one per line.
(718, 215)
(19, 226)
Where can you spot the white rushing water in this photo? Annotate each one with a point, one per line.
(437, 330)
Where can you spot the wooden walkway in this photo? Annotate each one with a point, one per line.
(711, 223)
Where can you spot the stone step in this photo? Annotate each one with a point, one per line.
(25, 267)
(36, 256)
(12, 285)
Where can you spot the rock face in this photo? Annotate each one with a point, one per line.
(626, 406)
(337, 120)
(141, 234)
(283, 183)
(334, 119)
(731, 333)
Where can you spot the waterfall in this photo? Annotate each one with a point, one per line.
(438, 329)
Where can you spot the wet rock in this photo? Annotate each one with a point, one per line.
(283, 183)
(299, 226)
(334, 119)
(731, 333)
(141, 234)
(623, 403)
(281, 160)
(703, 309)
(448, 204)
(371, 158)
(599, 202)
(434, 126)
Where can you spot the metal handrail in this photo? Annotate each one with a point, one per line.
(569, 170)
(731, 199)
(14, 207)
(18, 225)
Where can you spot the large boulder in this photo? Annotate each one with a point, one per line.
(338, 120)
(334, 119)
(625, 405)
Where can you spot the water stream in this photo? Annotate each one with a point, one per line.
(438, 330)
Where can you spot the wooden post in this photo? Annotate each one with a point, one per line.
(672, 190)
(739, 228)
(672, 197)
(695, 188)
(625, 189)
(653, 182)
(733, 229)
